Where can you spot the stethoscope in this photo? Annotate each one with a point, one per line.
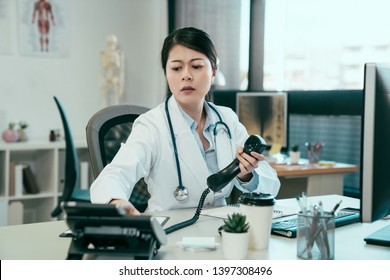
(181, 192)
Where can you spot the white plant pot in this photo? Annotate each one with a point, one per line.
(235, 245)
(294, 157)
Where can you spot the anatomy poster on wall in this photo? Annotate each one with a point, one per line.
(5, 26)
(44, 27)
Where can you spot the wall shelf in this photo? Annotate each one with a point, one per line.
(47, 162)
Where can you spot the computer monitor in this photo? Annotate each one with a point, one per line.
(375, 145)
(265, 114)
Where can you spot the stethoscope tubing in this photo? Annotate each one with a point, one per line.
(173, 143)
(181, 191)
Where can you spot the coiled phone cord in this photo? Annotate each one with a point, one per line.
(194, 218)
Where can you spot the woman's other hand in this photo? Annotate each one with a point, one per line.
(129, 208)
(248, 163)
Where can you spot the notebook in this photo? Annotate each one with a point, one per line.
(380, 237)
(224, 211)
(288, 227)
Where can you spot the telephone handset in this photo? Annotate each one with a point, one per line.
(219, 180)
(105, 229)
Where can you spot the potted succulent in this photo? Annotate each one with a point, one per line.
(235, 236)
(294, 154)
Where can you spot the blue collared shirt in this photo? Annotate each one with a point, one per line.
(210, 155)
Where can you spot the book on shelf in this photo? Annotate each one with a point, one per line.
(18, 179)
(29, 181)
(11, 189)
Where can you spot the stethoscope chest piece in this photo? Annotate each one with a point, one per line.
(181, 193)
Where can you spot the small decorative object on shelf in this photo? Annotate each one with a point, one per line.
(52, 136)
(11, 134)
(22, 132)
(58, 135)
(235, 236)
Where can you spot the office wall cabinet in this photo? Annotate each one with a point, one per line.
(46, 161)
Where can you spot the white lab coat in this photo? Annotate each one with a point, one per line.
(148, 153)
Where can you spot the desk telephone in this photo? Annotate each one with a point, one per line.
(105, 229)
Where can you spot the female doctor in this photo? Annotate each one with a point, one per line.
(178, 144)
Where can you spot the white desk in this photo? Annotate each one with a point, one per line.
(40, 241)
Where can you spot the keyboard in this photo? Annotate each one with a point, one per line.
(288, 228)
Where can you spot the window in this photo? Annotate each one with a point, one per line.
(227, 22)
(323, 44)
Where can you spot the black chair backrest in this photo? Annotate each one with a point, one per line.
(106, 130)
(112, 134)
(71, 163)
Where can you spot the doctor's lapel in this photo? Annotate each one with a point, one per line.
(225, 148)
(188, 151)
(226, 152)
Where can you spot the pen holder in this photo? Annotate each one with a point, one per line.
(314, 152)
(315, 236)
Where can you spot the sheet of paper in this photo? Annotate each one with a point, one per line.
(284, 211)
(162, 220)
(224, 211)
(197, 243)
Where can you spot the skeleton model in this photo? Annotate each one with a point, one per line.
(113, 72)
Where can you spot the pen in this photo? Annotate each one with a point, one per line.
(287, 233)
(303, 208)
(304, 198)
(335, 208)
(324, 232)
(313, 226)
(304, 211)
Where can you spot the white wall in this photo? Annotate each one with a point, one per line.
(28, 83)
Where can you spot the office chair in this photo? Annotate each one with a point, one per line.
(71, 191)
(106, 130)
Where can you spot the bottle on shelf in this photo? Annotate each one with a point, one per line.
(52, 136)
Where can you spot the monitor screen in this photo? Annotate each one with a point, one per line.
(265, 114)
(375, 145)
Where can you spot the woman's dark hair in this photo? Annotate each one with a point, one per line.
(191, 38)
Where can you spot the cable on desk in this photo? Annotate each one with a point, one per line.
(194, 218)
